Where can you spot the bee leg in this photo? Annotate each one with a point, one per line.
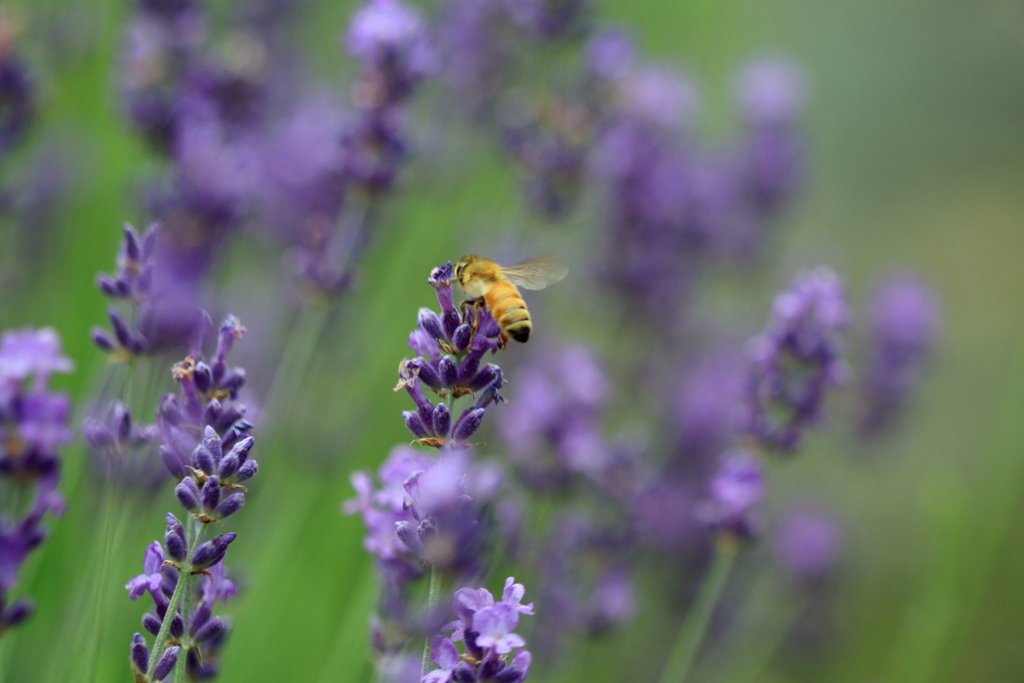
(476, 304)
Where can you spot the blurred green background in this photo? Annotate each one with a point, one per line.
(916, 143)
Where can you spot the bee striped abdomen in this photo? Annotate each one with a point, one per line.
(509, 310)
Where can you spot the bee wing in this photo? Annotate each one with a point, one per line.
(537, 272)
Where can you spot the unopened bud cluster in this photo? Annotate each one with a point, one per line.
(450, 347)
(205, 446)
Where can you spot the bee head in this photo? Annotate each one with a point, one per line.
(460, 267)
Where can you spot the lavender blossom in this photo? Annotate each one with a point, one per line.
(123, 450)
(426, 511)
(486, 628)
(645, 158)
(808, 544)
(553, 427)
(17, 97)
(586, 585)
(157, 314)
(202, 428)
(736, 491)
(796, 359)
(770, 94)
(162, 42)
(389, 39)
(34, 423)
(550, 148)
(449, 364)
(904, 318)
(206, 447)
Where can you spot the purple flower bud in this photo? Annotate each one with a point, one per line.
(467, 424)
(139, 653)
(210, 495)
(233, 380)
(430, 323)
(472, 649)
(471, 363)
(174, 539)
(102, 339)
(17, 613)
(517, 671)
(108, 286)
(407, 535)
(130, 247)
(464, 673)
(228, 466)
(121, 421)
(230, 330)
(247, 470)
(173, 462)
(200, 615)
(210, 630)
(97, 434)
(461, 337)
(442, 419)
(490, 668)
(426, 374)
(211, 552)
(486, 376)
(203, 460)
(230, 505)
(203, 377)
(230, 416)
(448, 371)
(165, 665)
(177, 625)
(242, 448)
(151, 623)
(169, 410)
(213, 412)
(415, 425)
(121, 331)
(187, 494)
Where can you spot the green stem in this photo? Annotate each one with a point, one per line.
(695, 625)
(172, 608)
(432, 599)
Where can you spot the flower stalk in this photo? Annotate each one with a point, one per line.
(172, 606)
(695, 625)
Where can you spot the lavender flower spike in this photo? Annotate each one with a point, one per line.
(33, 423)
(487, 629)
(904, 318)
(206, 448)
(736, 491)
(796, 359)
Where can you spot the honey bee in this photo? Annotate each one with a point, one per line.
(488, 284)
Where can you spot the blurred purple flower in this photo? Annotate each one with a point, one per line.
(796, 359)
(771, 94)
(17, 96)
(904, 321)
(151, 578)
(123, 451)
(444, 654)
(33, 423)
(808, 544)
(736, 491)
(552, 428)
